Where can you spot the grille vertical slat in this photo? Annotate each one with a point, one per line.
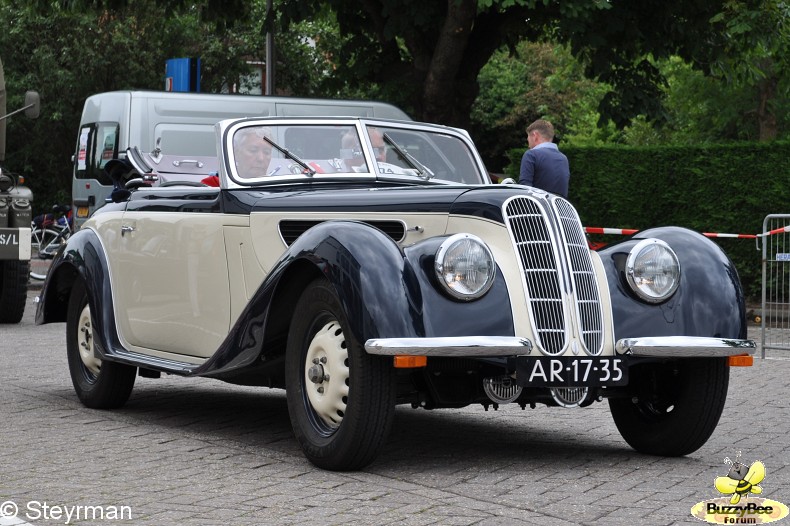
(588, 301)
(533, 241)
(534, 237)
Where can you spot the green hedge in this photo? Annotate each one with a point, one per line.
(727, 189)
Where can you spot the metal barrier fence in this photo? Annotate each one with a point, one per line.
(775, 324)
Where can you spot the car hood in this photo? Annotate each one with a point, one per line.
(478, 201)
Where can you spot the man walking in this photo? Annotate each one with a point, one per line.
(543, 165)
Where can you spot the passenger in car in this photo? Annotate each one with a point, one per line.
(351, 151)
(252, 152)
(377, 141)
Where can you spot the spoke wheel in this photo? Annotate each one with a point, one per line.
(341, 400)
(673, 408)
(100, 385)
(46, 242)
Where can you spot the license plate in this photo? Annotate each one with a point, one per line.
(568, 371)
(82, 211)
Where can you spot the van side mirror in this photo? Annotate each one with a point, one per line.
(31, 108)
(32, 104)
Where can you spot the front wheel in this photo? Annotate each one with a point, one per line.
(674, 407)
(341, 400)
(98, 384)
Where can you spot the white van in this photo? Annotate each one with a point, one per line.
(178, 123)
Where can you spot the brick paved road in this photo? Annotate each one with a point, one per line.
(200, 452)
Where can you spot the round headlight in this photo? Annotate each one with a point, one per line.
(465, 266)
(653, 270)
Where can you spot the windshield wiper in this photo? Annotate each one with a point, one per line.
(288, 155)
(422, 170)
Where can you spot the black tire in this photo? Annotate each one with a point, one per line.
(98, 384)
(675, 406)
(13, 290)
(341, 422)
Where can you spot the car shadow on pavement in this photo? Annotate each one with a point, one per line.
(251, 417)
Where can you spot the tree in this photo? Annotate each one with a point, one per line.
(68, 55)
(429, 54)
(426, 56)
(535, 80)
(756, 55)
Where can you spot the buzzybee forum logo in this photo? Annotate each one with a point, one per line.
(739, 506)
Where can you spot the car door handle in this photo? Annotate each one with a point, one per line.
(126, 229)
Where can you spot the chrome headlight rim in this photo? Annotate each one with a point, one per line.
(638, 251)
(440, 263)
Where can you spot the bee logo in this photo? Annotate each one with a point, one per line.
(740, 481)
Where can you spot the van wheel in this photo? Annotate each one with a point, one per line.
(13, 290)
(98, 384)
(674, 407)
(341, 400)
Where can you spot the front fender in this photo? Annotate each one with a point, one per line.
(82, 257)
(390, 293)
(385, 292)
(709, 301)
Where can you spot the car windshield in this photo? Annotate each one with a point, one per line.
(309, 149)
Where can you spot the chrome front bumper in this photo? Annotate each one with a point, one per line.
(684, 346)
(487, 346)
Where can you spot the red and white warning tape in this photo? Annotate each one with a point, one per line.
(630, 231)
(740, 236)
(617, 231)
(775, 231)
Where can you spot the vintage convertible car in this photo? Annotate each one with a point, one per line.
(361, 264)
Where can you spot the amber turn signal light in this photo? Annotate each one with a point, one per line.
(409, 362)
(743, 360)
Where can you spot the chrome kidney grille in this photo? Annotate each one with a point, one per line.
(555, 262)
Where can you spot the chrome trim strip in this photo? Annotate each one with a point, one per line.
(684, 346)
(152, 362)
(459, 346)
(586, 295)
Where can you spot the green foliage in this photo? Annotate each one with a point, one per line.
(68, 54)
(537, 80)
(717, 188)
(756, 57)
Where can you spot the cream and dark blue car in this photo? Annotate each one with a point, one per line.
(362, 264)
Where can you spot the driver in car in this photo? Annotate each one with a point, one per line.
(252, 152)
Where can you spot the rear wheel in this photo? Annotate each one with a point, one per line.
(340, 399)
(98, 384)
(674, 407)
(13, 290)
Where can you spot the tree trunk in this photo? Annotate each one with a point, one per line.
(439, 90)
(765, 115)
